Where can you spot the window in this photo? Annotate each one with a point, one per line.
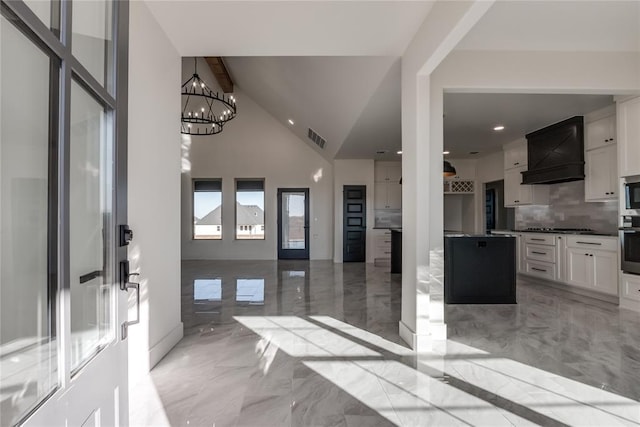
(207, 209)
(250, 209)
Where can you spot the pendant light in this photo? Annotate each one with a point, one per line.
(448, 169)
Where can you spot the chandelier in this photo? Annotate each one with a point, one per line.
(204, 112)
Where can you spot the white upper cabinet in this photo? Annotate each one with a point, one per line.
(601, 177)
(387, 190)
(628, 113)
(388, 171)
(515, 156)
(600, 133)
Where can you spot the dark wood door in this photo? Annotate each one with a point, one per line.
(354, 237)
(293, 223)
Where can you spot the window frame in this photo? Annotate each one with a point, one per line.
(235, 207)
(193, 209)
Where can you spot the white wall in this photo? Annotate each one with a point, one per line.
(352, 172)
(254, 145)
(154, 187)
(490, 168)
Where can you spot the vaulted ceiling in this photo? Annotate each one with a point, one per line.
(334, 66)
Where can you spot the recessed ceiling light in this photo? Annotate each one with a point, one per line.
(445, 152)
(399, 152)
(499, 127)
(291, 122)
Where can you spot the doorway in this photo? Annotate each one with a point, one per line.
(293, 223)
(497, 217)
(354, 235)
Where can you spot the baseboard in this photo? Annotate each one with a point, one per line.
(407, 335)
(158, 351)
(575, 290)
(628, 304)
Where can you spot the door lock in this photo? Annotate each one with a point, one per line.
(126, 235)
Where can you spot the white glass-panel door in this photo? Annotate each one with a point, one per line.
(63, 356)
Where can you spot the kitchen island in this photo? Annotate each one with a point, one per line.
(479, 269)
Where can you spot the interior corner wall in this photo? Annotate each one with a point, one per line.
(153, 188)
(255, 145)
(353, 172)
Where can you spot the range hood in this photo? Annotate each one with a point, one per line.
(556, 153)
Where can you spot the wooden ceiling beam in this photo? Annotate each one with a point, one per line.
(220, 72)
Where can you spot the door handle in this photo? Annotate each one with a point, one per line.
(125, 285)
(90, 276)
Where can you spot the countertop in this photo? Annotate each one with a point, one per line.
(389, 228)
(575, 233)
(482, 236)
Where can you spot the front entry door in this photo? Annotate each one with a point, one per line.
(354, 240)
(293, 223)
(63, 359)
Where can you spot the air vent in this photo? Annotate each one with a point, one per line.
(317, 139)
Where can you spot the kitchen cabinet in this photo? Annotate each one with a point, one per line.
(387, 195)
(578, 266)
(387, 189)
(600, 133)
(382, 246)
(630, 291)
(516, 194)
(591, 268)
(388, 172)
(601, 180)
(628, 114)
(515, 156)
(539, 254)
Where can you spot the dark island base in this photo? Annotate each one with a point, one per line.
(480, 270)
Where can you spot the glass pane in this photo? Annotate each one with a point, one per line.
(293, 221)
(91, 42)
(250, 215)
(90, 219)
(42, 9)
(28, 356)
(207, 215)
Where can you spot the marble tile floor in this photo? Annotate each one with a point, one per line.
(301, 343)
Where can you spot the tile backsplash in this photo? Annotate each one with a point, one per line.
(388, 218)
(567, 209)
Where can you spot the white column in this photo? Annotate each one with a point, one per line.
(422, 319)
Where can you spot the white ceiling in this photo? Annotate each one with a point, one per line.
(333, 65)
(290, 28)
(558, 25)
(469, 118)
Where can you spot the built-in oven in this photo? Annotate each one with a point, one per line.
(630, 242)
(632, 195)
